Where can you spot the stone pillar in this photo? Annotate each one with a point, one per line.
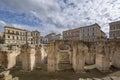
(79, 50)
(90, 55)
(116, 57)
(52, 60)
(38, 55)
(8, 59)
(28, 57)
(102, 61)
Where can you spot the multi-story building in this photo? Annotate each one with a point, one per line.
(29, 37)
(114, 30)
(44, 40)
(14, 36)
(88, 33)
(73, 34)
(35, 37)
(50, 37)
(58, 37)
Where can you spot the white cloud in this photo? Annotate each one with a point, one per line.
(58, 16)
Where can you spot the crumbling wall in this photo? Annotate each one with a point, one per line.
(8, 57)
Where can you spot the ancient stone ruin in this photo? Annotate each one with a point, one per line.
(28, 57)
(63, 55)
(8, 56)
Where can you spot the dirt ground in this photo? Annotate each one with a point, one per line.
(42, 74)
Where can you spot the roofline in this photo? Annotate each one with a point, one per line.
(14, 28)
(83, 27)
(114, 22)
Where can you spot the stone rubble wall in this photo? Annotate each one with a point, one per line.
(5, 75)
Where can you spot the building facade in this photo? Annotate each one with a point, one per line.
(58, 37)
(29, 37)
(44, 40)
(114, 30)
(50, 37)
(14, 36)
(88, 33)
(35, 37)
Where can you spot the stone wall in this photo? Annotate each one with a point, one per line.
(65, 55)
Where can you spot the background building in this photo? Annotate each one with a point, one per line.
(35, 37)
(114, 30)
(58, 37)
(50, 37)
(44, 40)
(14, 36)
(88, 33)
(29, 37)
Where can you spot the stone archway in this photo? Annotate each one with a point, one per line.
(64, 57)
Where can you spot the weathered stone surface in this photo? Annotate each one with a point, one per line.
(79, 51)
(102, 56)
(15, 78)
(8, 57)
(116, 57)
(28, 57)
(59, 57)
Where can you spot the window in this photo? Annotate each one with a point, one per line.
(8, 31)
(17, 38)
(13, 38)
(8, 36)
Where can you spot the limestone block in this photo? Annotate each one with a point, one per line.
(79, 50)
(115, 59)
(28, 57)
(15, 78)
(102, 63)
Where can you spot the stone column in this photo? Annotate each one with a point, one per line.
(38, 55)
(79, 50)
(116, 58)
(102, 61)
(28, 57)
(51, 67)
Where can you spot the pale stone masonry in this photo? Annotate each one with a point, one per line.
(14, 36)
(88, 33)
(114, 30)
(28, 57)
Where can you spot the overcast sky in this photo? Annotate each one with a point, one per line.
(58, 15)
